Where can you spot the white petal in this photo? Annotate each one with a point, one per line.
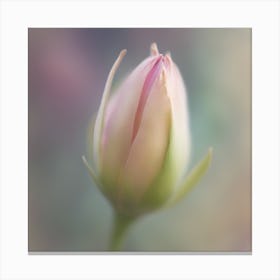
(178, 152)
(180, 142)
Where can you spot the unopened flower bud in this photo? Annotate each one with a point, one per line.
(141, 142)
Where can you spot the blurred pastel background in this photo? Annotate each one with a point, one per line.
(67, 70)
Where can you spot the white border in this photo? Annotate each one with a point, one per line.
(17, 16)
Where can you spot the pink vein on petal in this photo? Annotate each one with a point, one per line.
(148, 83)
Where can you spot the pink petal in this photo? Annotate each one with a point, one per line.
(147, 152)
(149, 81)
(119, 121)
(99, 122)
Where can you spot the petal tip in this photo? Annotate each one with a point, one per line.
(154, 49)
(123, 53)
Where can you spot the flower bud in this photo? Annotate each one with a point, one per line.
(141, 142)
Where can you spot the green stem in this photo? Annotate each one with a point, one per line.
(121, 225)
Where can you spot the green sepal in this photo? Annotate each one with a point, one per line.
(193, 178)
(91, 172)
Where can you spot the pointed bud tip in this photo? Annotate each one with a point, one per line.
(154, 49)
(123, 53)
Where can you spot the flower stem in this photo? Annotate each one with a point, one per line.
(121, 224)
